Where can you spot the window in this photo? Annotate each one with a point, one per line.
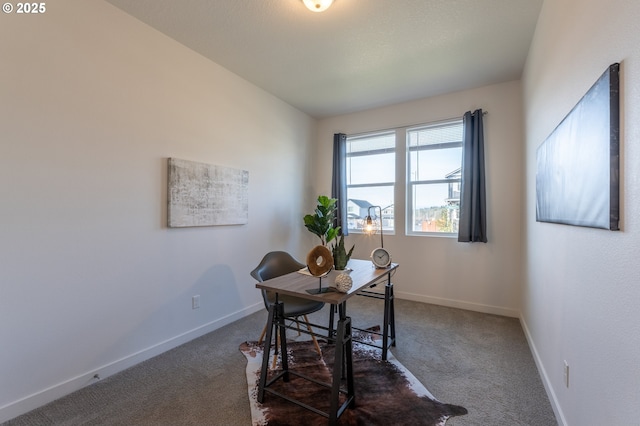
(433, 178)
(371, 174)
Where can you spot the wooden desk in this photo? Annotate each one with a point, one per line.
(364, 276)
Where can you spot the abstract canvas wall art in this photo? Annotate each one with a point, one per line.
(206, 195)
(577, 176)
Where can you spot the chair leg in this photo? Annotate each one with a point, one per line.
(264, 331)
(298, 326)
(315, 342)
(275, 355)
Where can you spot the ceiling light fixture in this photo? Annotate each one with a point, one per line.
(317, 5)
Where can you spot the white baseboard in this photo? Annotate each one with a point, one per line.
(451, 303)
(557, 409)
(555, 405)
(40, 398)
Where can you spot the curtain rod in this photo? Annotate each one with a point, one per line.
(410, 125)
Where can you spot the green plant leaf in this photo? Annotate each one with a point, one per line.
(321, 222)
(331, 234)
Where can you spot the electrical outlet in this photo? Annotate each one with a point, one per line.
(566, 373)
(195, 302)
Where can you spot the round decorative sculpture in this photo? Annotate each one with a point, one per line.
(344, 281)
(319, 261)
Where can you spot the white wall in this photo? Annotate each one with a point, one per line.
(581, 290)
(92, 103)
(481, 277)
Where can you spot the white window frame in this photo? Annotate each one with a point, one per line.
(402, 184)
(410, 185)
(392, 184)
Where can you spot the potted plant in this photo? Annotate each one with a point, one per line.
(321, 223)
(340, 255)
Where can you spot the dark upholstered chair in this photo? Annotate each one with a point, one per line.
(275, 264)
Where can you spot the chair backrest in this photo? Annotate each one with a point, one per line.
(275, 264)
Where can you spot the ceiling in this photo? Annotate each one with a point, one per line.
(359, 54)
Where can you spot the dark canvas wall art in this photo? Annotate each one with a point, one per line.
(577, 176)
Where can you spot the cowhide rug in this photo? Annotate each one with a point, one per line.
(386, 392)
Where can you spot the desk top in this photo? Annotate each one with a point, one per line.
(296, 284)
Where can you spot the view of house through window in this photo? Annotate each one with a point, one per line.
(434, 177)
(371, 179)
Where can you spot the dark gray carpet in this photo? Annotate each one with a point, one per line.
(478, 361)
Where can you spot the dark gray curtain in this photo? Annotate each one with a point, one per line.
(339, 180)
(473, 203)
